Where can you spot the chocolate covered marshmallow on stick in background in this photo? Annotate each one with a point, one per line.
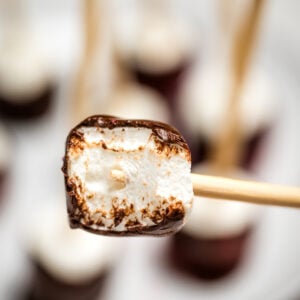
(162, 50)
(67, 264)
(129, 99)
(207, 95)
(205, 99)
(216, 236)
(27, 82)
(132, 177)
(215, 239)
(112, 91)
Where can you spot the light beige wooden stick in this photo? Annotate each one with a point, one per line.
(228, 150)
(161, 7)
(245, 191)
(225, 14)
(91, 29)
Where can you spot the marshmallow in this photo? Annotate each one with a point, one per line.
(24, 71)
(205, 99)
(127, 177)
(133, 101)
(161, 46)
(70, 256)
(212, 218)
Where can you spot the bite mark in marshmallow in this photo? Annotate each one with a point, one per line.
(127, 177)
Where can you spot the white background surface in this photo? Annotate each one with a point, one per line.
(272, 268)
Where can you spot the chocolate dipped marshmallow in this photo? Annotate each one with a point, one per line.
(204, 103)
(127, 177)
(161, 48)
(161, 57)
(67, 264)
(213, 242)
(26, 81)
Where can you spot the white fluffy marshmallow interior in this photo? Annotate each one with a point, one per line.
(73, 256)
(212, 218)
(150, 177)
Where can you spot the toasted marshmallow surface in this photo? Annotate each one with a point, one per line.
(72, 256)
(212, 218)
(127, 177)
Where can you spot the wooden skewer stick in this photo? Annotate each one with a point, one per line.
(155, 6)
(91, 31)
(228, 147)
(225, 9)
(245, 191)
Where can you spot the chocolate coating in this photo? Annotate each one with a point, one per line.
(167, 83)
(252, 147)
(46, 287)
(168, 140)
(166, 133)
(207, 259)
(28, 108)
